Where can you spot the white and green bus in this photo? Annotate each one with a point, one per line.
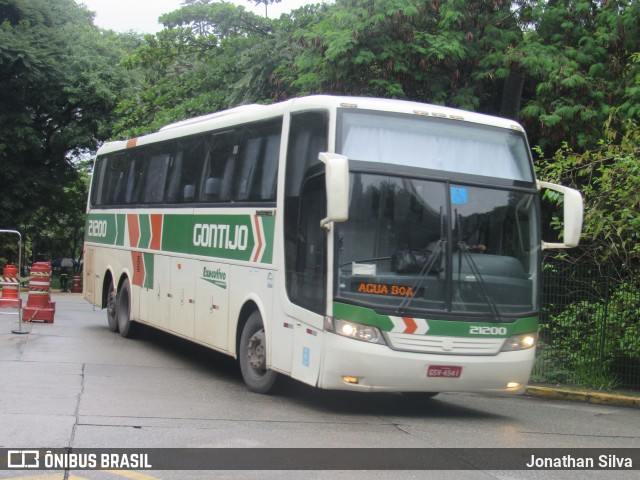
(349, 243)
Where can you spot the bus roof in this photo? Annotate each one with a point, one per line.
(251, 113)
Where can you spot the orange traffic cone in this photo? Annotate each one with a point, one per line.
(39, 304)
(10, 284)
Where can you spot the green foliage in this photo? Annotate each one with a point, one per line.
(589, 339)
(60, 80)
(577, 60)
(441, 52)
(211, 56)
(609, 178)
(568, 62)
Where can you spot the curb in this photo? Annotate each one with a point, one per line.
(584, 397)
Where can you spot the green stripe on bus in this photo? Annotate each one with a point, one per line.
(145, 231)
(120, 222)
(148, 259)
(105, 228)
(233, 237)
(223, 236)
(268, 223)
(451, 328)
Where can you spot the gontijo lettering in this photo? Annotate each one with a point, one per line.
(220, 236)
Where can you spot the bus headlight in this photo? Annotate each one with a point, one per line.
(520, 342)
(366, 333)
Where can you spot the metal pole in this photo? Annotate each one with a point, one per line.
(19, 331)
(605, 314)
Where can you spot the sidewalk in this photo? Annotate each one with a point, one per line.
(600, 398)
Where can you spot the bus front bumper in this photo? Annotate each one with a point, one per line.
(349, 364)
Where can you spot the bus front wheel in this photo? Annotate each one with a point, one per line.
(111, 307)
(123, 311)
(253, 356)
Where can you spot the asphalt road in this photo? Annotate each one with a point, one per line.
(73, 383)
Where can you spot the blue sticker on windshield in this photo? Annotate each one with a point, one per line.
(459, 196)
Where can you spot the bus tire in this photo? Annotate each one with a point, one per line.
(112, 298)
(252, 356)
(123, 311)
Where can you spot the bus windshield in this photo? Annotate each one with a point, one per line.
(415, 245)
(434, 143)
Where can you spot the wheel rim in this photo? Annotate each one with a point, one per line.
(256, 352)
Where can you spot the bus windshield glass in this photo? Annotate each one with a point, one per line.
(413, 245)
(435, 143)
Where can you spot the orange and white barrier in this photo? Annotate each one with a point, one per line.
(76, 285)
(39, 304)
(10, 287)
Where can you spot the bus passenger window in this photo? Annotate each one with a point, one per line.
(116, 179)
(258, 162)
(218, 168)
(98, 182)
(194, 151)
(265, 189)
(173, 180)
(156, 175)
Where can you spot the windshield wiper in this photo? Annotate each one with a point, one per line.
(464, 248)
(422, 275)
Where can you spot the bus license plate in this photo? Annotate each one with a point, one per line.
(444, 371)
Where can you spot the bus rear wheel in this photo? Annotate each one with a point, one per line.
(253, 356)
(112, 319)
(128, 329)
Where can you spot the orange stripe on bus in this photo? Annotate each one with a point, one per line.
(156, 231)
(138, 268)
(134, 230)
(411, 325)
(259, 230)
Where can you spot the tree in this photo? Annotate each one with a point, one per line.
(56, 228)
(266, 4)
(577, 62)
(609, 178)
(60, 81)
(558, 66)
(210, 56)
(444, 52)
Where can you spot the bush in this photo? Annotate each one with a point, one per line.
(595, 343)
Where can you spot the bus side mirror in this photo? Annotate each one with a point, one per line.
(337, 186)
(573, 214)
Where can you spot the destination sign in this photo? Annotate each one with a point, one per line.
(384, 289)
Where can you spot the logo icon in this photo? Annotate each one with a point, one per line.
(23, 459)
